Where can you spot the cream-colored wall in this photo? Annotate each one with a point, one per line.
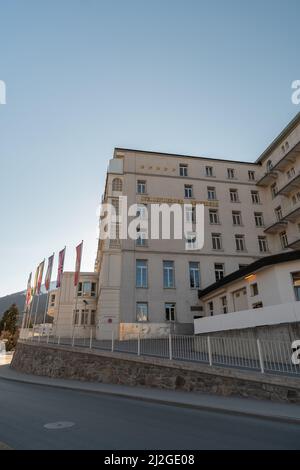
(281, 180)
(274, 288)
(117, 292)
(65, 305)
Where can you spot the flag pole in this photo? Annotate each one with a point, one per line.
(58, 311)
(77, 273)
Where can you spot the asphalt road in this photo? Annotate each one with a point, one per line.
(111, 423)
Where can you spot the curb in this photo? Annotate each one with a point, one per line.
(161, 401)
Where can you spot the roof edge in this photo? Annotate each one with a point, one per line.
(283, 134)
(250, 269)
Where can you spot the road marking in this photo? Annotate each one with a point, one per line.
(4, 446)
(59, 425)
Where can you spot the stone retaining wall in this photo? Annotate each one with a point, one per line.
(118, 368)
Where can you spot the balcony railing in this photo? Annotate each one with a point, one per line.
(291, 186)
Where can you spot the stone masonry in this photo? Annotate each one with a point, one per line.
(118, 368)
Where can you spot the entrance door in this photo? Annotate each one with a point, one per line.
(240, 300)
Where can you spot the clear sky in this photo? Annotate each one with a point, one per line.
(210, 78)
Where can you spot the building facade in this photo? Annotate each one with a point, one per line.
(252, 210)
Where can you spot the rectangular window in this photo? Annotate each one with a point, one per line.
(278, 213)
(263, 244)
(141, 311)
(211, 193)
(188, 191)
(183, 170)
(211, 308)
(234, 195)
(219, 271)
(142, 211)
(259, 219)
(236, 218)
(191, 241)
(142, 273)
(254, 289)
(240, 243)
(209, 171)
(224, 304)
(194, 271)
(257, 305)
(169, 274)
(274, 190)
(141, 238)
(283, 240)
(214, 216)
(87, 289)
(251, 175)
(291, 173)
(141, 187)
(52, 300)
(93, 318)
(230, 173)
(115, 202)
(296, 284)
(255, 197)
(114, 241)
(76, 317)
(216, 241)
(170, 312)
(190, 213)
(84, 317)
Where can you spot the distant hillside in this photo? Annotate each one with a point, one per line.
(18, 298)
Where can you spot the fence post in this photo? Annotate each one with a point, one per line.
(91, 338)
(139, 344)
(48, 335)
(170, 347)
(260, 356)
(209, 351)
(58, 341)
(73, 338)
(112, 341)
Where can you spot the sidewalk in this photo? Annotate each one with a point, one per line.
(231, 405)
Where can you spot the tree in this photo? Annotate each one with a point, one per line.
(9, 320)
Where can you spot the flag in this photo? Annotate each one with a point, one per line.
(49, 272)
(78, 263)
(28, 292)
(36, 277)
(40, 277)
(61, 262)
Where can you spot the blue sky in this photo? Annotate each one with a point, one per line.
(208, 78)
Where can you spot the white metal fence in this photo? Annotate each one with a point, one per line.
(243, 353)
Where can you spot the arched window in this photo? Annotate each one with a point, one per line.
(117, 184)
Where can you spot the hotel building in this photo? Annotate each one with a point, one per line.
(252, 211)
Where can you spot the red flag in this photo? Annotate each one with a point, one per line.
(61, 262)
(79, 249)
(40, 277)
(49, 272)
(28, 293)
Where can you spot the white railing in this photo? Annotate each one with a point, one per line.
(244, 353)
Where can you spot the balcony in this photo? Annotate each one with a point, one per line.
(291, 186)
(276, 227)
(294, 243)
(288, 158)
(268, 178)
(293, 215)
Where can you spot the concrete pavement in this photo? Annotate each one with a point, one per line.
(231, 405)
